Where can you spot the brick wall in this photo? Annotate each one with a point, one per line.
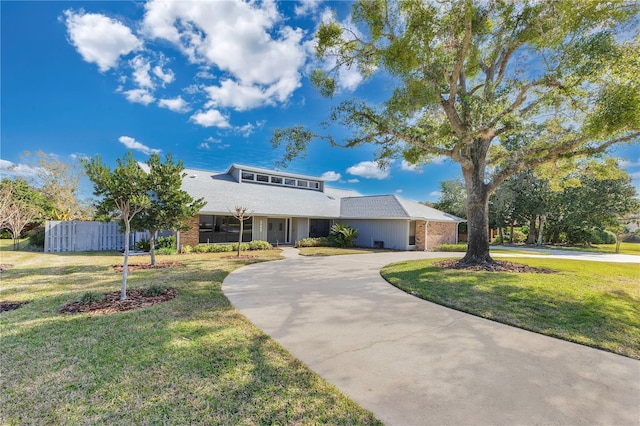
(440, 233)
(191, 237)
(420, 228)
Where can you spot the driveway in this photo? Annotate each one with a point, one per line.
(412, 362)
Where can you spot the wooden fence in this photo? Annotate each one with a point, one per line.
(62, 236)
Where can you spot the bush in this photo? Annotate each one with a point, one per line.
(5, 235)
(461, 247)
(36, 237)
(153, 290)
(166, 250)
(342, 235)
(166, 242)
(187, 249)
(314, 242)
(260, 245)
(234, 247)
(201, 248)
(143, 245)
(221, 248)
(601, 236)
(91, 297)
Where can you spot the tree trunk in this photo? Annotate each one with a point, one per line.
(501, 233)
(531, 238)
(152, 246)
(125, 263)
(543, 219)
(513, 223)
(241, 220)
(477, 216)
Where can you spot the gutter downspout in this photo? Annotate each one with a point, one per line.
(426, 235)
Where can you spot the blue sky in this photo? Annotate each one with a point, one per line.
(205, 81)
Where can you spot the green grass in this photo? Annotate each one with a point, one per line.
(192, 360)
(625, 248)
(592, 303)
(7, 244)
(335, 251)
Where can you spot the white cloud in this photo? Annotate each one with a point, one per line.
(211, 118)
(141, 68)
(246, 40)
(635, 175)
(139, 96)
(439, 160)
(307, 7)
(131, 143)
(331, 176)
(176, 104)
(15, 169)
(368, 170)
(100, 39)
(205, 146)
(398, 191)
(248, 129)
(353, 181)
(213, 140)
(625, 164)
(165, 76)
(435, 194)
(407, 166)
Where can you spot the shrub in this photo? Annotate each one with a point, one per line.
(5, 235)
(166, 242)
(36, 237)
(461, 247)
(166, 250)
(201, 248)
(187, 249)
(234, 247)
(221, 248)
(342, 235)
(143, 245)
(260, 245)
(91, 297)
(314, 242)
(601, 236)
(153, 290)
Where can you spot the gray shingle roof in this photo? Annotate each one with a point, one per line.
(391, 207)
(222, 193)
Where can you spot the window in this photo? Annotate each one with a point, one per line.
(275, 179)
(412, 233)
(302, 183)
(262, 178)
(319, 228)
(223, 229)
(315, 185)
(247, 176)
(290, 182)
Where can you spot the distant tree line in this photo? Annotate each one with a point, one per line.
(592, 204)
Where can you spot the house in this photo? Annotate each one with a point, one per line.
(287, 207)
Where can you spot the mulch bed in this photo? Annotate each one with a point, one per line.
(141, 266)
(6, 305)
(496, 266)
(112, 303)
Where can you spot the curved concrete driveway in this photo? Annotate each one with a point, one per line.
(412, 362)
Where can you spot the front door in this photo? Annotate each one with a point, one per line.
(277, 231)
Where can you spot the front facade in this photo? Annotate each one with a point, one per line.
(287, 207)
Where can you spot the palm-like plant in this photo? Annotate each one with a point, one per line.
(342, 235)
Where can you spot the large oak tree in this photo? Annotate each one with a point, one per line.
(496, 86)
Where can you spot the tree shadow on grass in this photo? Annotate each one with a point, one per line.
(606, 320)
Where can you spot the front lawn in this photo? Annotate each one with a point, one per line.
(191, 360)
(592, 303)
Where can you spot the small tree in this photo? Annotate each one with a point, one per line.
(20, 214)
(169, 205)
(240, 213)
(123, 194)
